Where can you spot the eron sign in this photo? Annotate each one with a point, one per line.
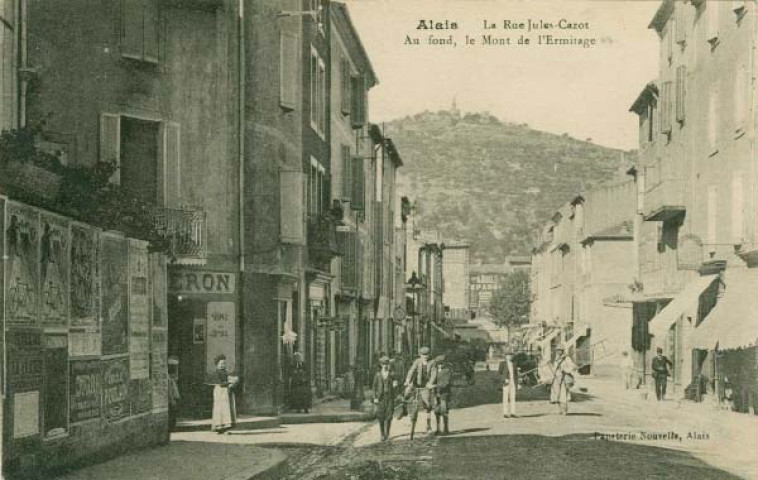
(202, 282)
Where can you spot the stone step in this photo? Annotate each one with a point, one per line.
(243, 422)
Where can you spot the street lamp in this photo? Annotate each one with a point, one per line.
(415, 285)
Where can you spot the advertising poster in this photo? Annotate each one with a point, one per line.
(55, 397)
(85, 390)
(22, 272)
(25, 377)
(139, 311)
(159, 370)
(54, 266)
(25, 414)
(220, 334)
(2, 289)
(116, 388)
(85, 338)
(158, 285)
(115, 285)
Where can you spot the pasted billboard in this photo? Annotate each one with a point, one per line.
(158, 279)
(116, 388)
(85, 390)
(84, 326)
(140, 392)
(115, 288)
(22, 266)
(25, 377)
(139, 311)
(220, 334)
(54, 257)
(159, 370)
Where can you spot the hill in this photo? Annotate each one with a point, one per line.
(492, 183)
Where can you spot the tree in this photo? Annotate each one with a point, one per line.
(511, 301)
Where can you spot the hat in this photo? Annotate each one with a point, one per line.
(423, 351)
(659, 350)
(439, 358)
(384, 360)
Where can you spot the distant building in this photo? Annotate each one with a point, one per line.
(455, 266)
(485, 278)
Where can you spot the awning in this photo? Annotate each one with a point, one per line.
(733, 322)
(542, 343)
(579, 334)
(686, 299)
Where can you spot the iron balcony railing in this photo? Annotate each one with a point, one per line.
(186, 230)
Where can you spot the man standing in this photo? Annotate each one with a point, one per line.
(443, 390)
(660, 368)
(384, 397)
(509, 373)
(627, 371)
(419, 380)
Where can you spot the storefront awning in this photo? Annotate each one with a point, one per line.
(544, 342)
(582, 331)
(733, 322)
(688, 297)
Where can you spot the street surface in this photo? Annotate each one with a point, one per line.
(643, 439)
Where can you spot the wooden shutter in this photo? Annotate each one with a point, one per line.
(358, 101)
(681, 19)
(151, 31)
(347, 184)
(681, 85)
(358, 198)
(347, 265)
(713, 119)
(345, 86)
(741, 95)
(173, 165)
(288, 70)
(291, 226)
(132, 28)
(110, 143)
(666, 105)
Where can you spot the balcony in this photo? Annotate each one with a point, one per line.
(185, 229)
(322, 240)
(664, 201)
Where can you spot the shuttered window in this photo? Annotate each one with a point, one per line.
(681, 92)
(358, 114)
(110, 143)
(358, 197)
(713, 111)
(666, 106)
(291, 224)
(741, 95)
(348, 262)
(140, 30)
(681, 19)
(345, 102)
(347, 177)
(288, 70)
(712, 8)
(172, 160)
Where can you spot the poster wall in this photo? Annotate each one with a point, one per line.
(85, 390)
(139, 311)
(115, 289)
(116, 388)
(22, 266)
(159, 370)
(84, 332)
(54, 266)
(25, 376)
(220, 334)
(2, 289)
(158, 285)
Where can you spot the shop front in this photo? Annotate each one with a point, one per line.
(202, 324)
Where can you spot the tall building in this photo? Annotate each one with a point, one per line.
(455, 266)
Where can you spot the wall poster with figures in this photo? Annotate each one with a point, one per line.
(84, 333)
(54, 267)
(139, 311)
(114, 297)
(22, 266)
(158, 278)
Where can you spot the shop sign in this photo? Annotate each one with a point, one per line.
(220, 334)
(196, 282)
(116, 388)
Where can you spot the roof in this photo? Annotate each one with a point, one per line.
(622, 231)
(648, 94)
(341, 9)
(662, 15)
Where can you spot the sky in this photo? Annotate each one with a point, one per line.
(585, 92)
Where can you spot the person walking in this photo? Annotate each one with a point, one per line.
(627, 371)
(224, 410)
(173, 391)
(418, 382)
(443, 393)
(300, 385)
(564, 370)
(660, 367)
(384, 396)
(509, 375)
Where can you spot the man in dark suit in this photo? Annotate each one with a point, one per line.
(660, 368)
(384, 397)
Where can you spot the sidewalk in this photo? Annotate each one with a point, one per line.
(329, 410)
(188, 461)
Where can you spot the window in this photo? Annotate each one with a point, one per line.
(680, 15)
(291, 225)
(650, 122)
(741, 96)
(140, 28)
(345, 102)
(316, 188)
(347, 185)
(358, 197)
(358, 114)
(665, 111)
(713, 119)
(668, 39)
(288, 80)
(712, 19)
(348, 261)
(318, 93)
(681, 91)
